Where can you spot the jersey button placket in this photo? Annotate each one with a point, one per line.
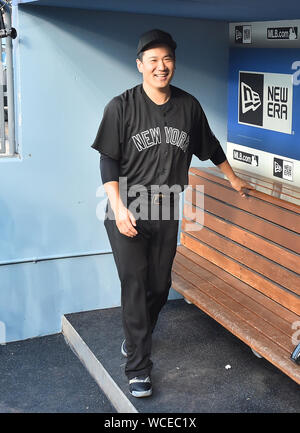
(165, 119)
(163, 150)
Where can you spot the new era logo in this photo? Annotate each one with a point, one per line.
(250, 99)
(277, 167)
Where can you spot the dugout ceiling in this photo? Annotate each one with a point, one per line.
(225, 10)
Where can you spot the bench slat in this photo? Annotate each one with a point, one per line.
(264, 346)
(243, 255)
(255, 280)
(210, 271)
(255, 224)
(275, 190)
(254, 205)
(273, 185)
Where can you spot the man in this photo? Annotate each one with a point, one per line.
(148, 136)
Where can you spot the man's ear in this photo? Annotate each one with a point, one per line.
(139, 65)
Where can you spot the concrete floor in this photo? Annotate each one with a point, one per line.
(199, 367)
(43, 375)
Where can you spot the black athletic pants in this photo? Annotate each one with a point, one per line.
(144, 265)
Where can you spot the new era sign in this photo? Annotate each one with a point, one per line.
(266, 100)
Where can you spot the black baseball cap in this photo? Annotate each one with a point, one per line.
(153, 37)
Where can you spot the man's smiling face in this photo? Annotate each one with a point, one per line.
(157, 66)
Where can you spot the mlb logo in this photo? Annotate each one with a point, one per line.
(251, 98)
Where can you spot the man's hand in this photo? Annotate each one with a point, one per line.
(237, 183)
(240, 185)
(125, 221)
(124, 218)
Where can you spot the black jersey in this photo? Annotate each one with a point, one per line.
(154, 144)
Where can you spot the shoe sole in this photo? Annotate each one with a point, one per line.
(141, 393)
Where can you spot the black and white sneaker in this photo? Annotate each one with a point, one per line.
(124, 349)
(140, 386)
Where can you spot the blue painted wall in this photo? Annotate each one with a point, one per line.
(69, 63)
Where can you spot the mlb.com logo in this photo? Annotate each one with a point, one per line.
(266, 100)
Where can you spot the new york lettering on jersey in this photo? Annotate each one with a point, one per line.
(153, 136)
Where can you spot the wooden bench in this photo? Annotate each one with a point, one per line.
(242, 266)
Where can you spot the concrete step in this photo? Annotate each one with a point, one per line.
(96, 369)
